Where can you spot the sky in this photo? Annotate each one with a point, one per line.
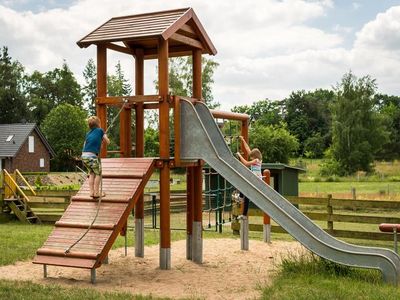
(266, 48)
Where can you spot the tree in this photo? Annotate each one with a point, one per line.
(357, 129)
(181, 78)
(389, 109)
(48, 90)
(117, 85)
(65, 127)
(275, 142)
(307, 115)
(12, 100)
(267, 112)
(89, 90)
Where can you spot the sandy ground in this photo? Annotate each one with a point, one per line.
(227, 272)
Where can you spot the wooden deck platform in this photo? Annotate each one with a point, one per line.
(123, 181)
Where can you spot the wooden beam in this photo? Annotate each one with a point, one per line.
(119, 100)
(165, 222)
(119, 48)
(174, 51)
(188, 29)
(102, 90)
(186, 40)
(139, 91)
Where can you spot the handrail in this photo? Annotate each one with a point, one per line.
(17, 186)
(26, 182)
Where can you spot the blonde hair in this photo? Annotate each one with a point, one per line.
(255, 153)
(93, 122)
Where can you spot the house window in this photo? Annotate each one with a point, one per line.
(31, 144)
(41, 162)
(10, 137)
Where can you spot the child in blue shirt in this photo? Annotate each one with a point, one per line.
(90, 154)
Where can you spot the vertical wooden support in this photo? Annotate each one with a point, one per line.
(139, 208)
(197, 229)
(267, 218)
(102, 90)
(125, 123)
(165, 228)
(244, 132)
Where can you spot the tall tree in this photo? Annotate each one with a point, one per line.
(181, 78)
(12, 100)
(267, 112)
(275, 142)
(389, 109)
(65, 135)
(117, 85)
(357, 129)
(89, 90)
(309, 119)
(48, 90)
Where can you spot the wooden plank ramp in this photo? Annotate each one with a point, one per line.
(123, 181)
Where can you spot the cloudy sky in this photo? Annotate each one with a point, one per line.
(266, 48)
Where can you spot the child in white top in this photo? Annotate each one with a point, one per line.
(255, 166)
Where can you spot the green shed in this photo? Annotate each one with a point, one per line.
(284, 178)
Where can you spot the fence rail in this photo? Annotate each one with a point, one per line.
(338, 212)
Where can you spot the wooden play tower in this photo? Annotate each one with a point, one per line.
(157, 35)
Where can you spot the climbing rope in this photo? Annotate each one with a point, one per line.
(101, 188)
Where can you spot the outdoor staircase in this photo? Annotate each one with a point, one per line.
(22, 211)
(16, 199)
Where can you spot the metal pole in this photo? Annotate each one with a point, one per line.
(44, 271)
(93, 276)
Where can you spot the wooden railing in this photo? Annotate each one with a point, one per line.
(12, 187)
(344, 218)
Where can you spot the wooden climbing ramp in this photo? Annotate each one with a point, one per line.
(123, 181)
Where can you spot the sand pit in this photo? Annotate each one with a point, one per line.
(227, 272)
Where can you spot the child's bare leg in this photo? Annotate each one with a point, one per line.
(91, 184)
(97, 180)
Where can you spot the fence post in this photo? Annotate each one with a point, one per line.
(267, 219)
(330, 212)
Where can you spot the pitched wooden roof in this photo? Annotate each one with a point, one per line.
(180, 26)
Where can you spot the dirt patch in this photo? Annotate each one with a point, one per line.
(227, 272)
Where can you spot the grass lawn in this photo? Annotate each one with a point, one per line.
(388, 190)
(27, 290)
(310, 278)
(303, 278)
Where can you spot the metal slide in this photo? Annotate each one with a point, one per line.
(202, 139)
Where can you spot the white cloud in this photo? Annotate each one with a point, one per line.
(266, 48)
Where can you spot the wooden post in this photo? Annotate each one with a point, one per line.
(139, 208)
(267, 218)
(197, 233)
(165, 230)
(330, 212)
(244, 132)
(102, 90)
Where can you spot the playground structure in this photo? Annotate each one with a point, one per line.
(162, 35)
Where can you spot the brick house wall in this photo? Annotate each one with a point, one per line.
(30, 162)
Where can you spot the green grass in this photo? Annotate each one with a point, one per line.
(27, 290)
(374, 188)
(309, 277)
(20, 241)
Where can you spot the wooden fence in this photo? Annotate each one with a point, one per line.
(343, 218)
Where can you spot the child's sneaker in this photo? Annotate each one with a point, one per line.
(241, 217)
